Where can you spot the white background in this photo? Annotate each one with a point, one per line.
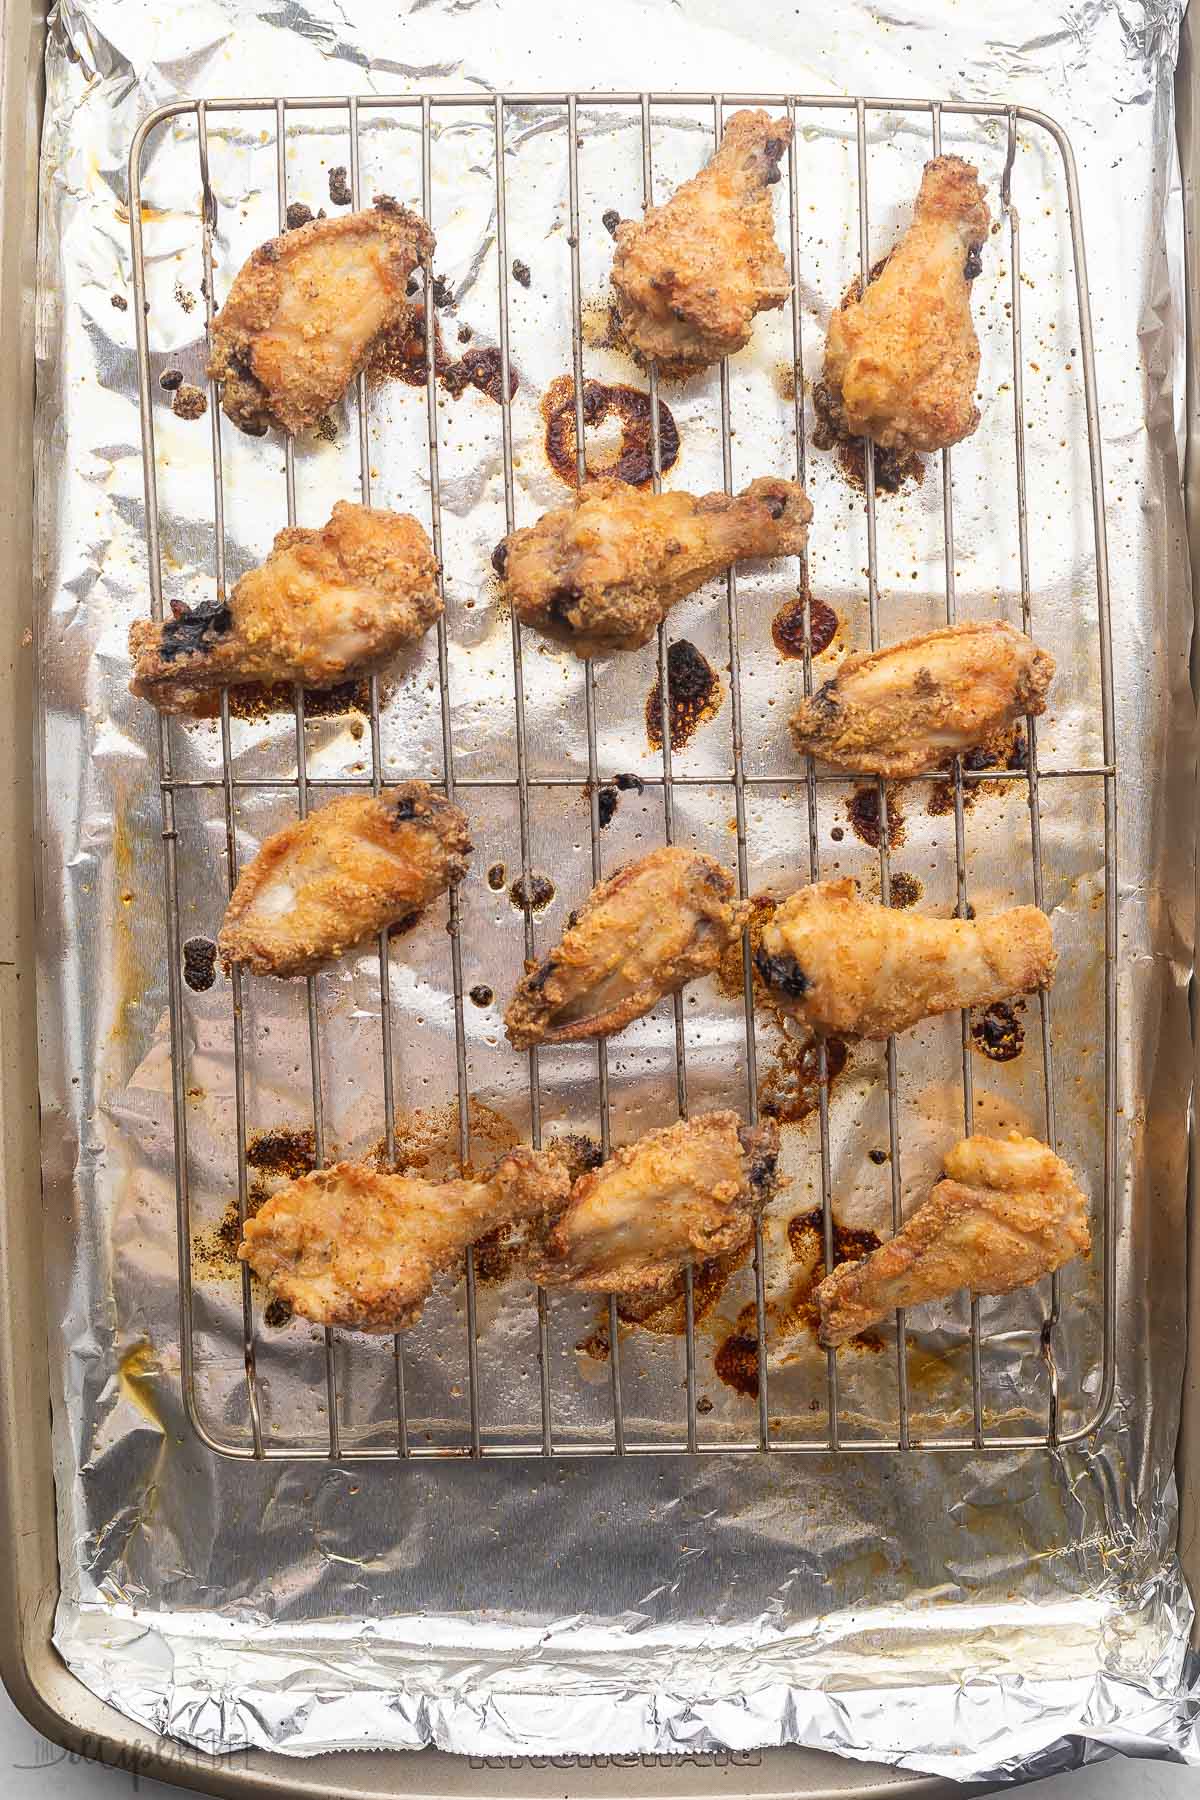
(33, 1769)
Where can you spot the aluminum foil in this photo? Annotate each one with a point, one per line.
(974, 1615)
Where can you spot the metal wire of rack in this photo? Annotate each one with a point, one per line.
(404, 1443)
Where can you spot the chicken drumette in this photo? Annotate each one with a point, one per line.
(349, 870)
(306, 310)
(326, 605)
(650, 928)
(350, 1246)
(675, 1198)
(909, 707)
(602, 572)
(692, 274)
(1007, 1211)
(902, 358)
(846, 967)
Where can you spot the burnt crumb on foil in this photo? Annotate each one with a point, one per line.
(610, 218)
(628, 782)
(607, 801)
(500, 558)
(339, 187)
(199, 964)
(973, 265)
(191, 633)
(782, 973)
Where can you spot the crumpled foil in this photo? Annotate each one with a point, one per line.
(975, 1615)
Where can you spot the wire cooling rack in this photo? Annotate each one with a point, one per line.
(404, 1439)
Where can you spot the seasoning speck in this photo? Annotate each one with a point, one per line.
(184, 297)
(199, 963)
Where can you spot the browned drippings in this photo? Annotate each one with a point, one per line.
(666, 1314)
(1006, 749)
(787, 627)
(633, 459)
(790, 1090)
(256, 700)
(498, 1255)
(906, 890)
(736, 1364)
(866, 822)
(694, 695)
(399, 355)
(536, 896)
(427, 1140)
(290, 1151)
(806, 1241)
(998, 1033)
(199, 964)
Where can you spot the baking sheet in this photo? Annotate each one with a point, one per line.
(962, 1614)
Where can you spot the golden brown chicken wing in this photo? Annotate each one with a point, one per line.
(1007, 1211)
(350, 1246)
(326, 605)
(692, 274)
(902, 358)
(905, 709)
(650, 928)
(349, 870)
(305, 311)
(848, 968)
(602, 572)
(676, 1197)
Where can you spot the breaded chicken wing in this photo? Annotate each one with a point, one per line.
(692, 274)
(350, 1246)
(326, 605)
(351, 869)
(906, 708)
(602, 572)
(902, 358)
(650, 928)
(1007, 1212)
(305, 311)
(676, 1197)
(846, 967)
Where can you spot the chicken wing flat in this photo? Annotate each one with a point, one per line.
(348, 871)
(675, 1198)
(326, 605)
(846, 967)
(601, 573)
(692, 274)
(350, 1246)
(902, 357)
(1007, 1211)
(905, 709)
(306, 310)
(650, 928)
